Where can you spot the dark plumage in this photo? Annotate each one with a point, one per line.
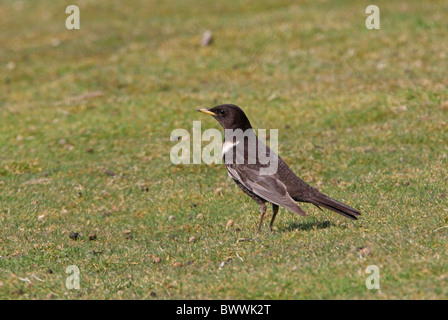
(280, 187)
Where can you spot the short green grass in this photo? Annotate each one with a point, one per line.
(362, 114)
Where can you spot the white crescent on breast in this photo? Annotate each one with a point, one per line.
(227, 146)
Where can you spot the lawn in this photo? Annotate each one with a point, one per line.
(86, 178)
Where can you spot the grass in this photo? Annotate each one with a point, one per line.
(362, 115)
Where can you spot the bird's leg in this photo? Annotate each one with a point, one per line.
(263, 211)
(274, 213)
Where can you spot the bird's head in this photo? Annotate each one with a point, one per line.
(229, 116)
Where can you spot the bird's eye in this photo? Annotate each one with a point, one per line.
(221, 111)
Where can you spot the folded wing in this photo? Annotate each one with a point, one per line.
(269, 187)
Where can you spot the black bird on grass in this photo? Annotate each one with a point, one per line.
(266, 181)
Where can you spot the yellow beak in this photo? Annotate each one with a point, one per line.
(206, 111)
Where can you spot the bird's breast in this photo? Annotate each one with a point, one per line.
(226, 146)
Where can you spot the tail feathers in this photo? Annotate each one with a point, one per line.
(336, 206)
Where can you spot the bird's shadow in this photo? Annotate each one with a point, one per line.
(308, 226)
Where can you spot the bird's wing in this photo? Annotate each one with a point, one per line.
(269, 187)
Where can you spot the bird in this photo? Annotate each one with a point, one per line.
(279, 186)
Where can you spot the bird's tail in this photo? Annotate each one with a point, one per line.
(331, 204)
